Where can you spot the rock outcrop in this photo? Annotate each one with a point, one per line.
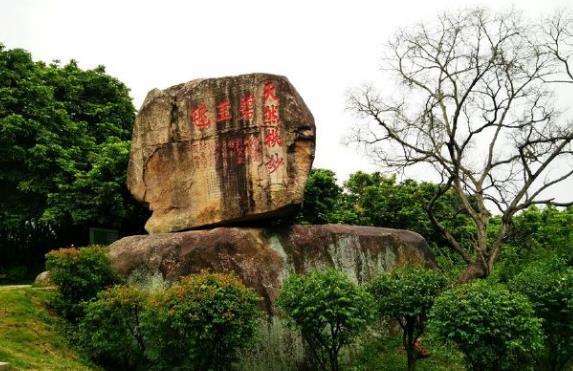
(263, 257)
(218, 151)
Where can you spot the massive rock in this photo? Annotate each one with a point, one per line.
(263, 257)
(217, 151)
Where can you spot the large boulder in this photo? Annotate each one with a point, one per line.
(217, 151)
(263, 257)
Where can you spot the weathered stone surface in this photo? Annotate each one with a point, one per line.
(217, 151)
(43, 279)
(263, 257)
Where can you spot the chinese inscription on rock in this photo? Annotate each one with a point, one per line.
(218, 151)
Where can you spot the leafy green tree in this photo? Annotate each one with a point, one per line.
(111, 330)
(538, 234)
(321, 198)
(494, 328)
(381, 201)
(548, 284)
(201, 323)
(406, 295)
(328, 309)
(79, 273)
(64, 140)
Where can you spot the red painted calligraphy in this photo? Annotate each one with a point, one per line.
(271, 115)
(252, 147)
(273, 137)
(269, 92)
(237, 149)
(199, 117)
(224, 111)
(273, 163)
(247, 107)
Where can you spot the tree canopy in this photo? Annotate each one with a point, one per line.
(64, 147)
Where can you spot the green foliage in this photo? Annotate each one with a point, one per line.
(321, 198)
(539, 234)
(406, 295)
(328, 309)
(202, 323)
(381, 201)
(79, 274)
(548, 284)
(111, 329)
(64, 142)
(15, 274)
(494, 328)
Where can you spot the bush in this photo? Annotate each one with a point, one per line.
(328, 309)
(548, 284)
(111, 328)
(15, 274)
(79, 274)
(407, 295)
(202, 323)
(494, 328)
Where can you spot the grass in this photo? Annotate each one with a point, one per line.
(386, 353)
(29, 337)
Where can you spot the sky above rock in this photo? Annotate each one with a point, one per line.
(324, 48)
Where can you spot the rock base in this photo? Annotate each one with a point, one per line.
(263, 257)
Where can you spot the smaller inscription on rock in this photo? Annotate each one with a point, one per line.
(218, 151)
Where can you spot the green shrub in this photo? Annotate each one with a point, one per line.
(328, 309)
(15, 274)
(79, 273)
(111, 328)
(548, 284)
(201, 323)
(406, 295)
(494, 328)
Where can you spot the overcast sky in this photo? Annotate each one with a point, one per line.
(323, 47)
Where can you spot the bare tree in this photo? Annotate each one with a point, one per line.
(478, 110)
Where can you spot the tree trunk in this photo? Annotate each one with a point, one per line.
(473, 271)
(408, 341)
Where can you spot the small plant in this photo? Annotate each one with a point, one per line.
(201, 323)
(494, 328)
(406, 295)
(79, 273)
(548, 284)
(111, 329)
(328, 309)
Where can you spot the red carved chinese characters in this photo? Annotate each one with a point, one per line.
(273, 162)
(252, 147)
(260, 147)
(273, 137)
(238, 150)
(247, 107)
(224, 111)
(271, 115)
(269, 92)
(199, 117)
